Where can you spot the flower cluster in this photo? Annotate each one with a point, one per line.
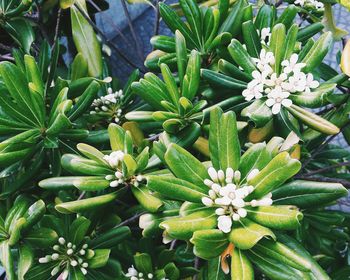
(114, 160)
(133, 274)
(277, 87)
(66, 255)
(228, 195)
(314, 4)
(109, 104)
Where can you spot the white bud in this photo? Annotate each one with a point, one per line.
(70, 252)
(83, 270)
(114, 184)
(140, 274)
(69, 245)
(221, 175)
(118, 174)
(235, 217)
(61, 240)
(139, 178)
(55, 270)
(85, 246)
(85, 265)
(237, 176)
(116, 120)
(213, 174)
(242, 212)
(229, 173)
(73, 263)
(253, 203)
(104, 108)
(207, 201)
(216, 187)
(150, 275)
(56, 247)
(220, 211)
(44, 260)
(212, 194)
(237, 202)
(208, 182)
(55, 256)
(64, 275)
(82, 252)
(109, 177)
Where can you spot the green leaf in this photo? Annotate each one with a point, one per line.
(110, 238)
(79, 165)
(282, 253)
(79, 68)
(146, 199)
(277, 42)
(85, 39)
(79, 206)
(318, 51)
(143, 263)
(258, 113)
(308, 194)
(246, 233)
(233, 21)
(100, 258)
(223, 140)
(241, 56)
(312, 120)
(223, 81)
(276, 217)
(241, 267)
(183, 227)
(85, 100)
(78, 230)
(281, 168)
(251, 38)
(26, 260)
(175, 188)
(7, 260)
(186, 166)
(181, 54)
(170, 83)
(34, 214)
(21, 31)
(41, 237)
(209, 243)
(256, 157)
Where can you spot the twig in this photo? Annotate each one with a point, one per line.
(196, 266)
(347, 163)
(321, 147)
(157, 19)
(130, 220)
(5, 47)
(7, 57)
(82, 195)
(133, 34)
(172, 244)
(112, 24)
(106, 40)
(344, 182)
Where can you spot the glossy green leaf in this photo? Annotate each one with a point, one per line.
(308, 194)
(209, 243)
(85, 39)
(241, 267)
(100, 258)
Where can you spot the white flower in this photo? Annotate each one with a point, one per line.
(310, 83)
(225, 223)
(296, 83)
(252, 92)
(275, 81)
(292, 64)
(131, 272)
(276, 99)
(265, 60)
(114, 158)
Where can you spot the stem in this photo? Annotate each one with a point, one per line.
(157, 19)
(130, 220)
(133, 34)
(344, 182)
(347, 163)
